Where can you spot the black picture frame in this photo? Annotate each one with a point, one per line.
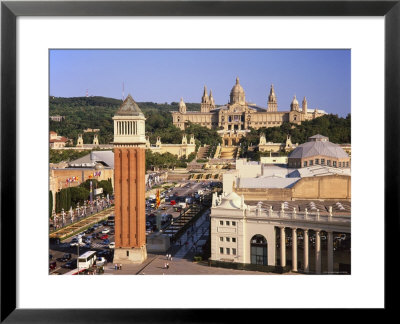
(10, 10)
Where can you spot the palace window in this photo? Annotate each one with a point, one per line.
(305, 163)
(221, 239)
(340, 164)
(334, 164)
(227, 223)
(311, 162)
(233, 223)
(221, 222)
(233, 239)
(228, 251)
(322, 161)
(227, 239)
(221, 250)
(234, 251)
(316, 161)
(328, 162)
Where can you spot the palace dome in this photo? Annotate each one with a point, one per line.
(237, 93)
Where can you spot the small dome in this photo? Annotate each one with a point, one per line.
(295, 102)
(99, 166)
(182, 104)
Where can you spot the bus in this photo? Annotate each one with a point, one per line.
(87, 260)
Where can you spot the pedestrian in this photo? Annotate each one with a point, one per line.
(167, 266)
(120, 266)
(170, 258)
(166, 256)
(115, 267)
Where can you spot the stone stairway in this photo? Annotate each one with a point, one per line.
(228, 152)
(203, 152)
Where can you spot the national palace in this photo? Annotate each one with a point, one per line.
(234, 119)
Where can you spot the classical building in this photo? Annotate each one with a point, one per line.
(265, 146)
(129, 183)
(265, 209)
(238, 115)
(257, 234)
(57, 142)
(318, 151)
(97, 165)
(183, 149)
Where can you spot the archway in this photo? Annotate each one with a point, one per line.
(259, 250)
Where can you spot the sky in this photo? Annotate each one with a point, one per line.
(322, 76)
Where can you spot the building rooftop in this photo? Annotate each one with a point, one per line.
(90, 160)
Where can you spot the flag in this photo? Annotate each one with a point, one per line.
(158, 198)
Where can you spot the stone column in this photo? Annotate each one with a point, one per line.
(330, 252)
(318, 252)
(294, 249)
(306, 265)
(283, 247)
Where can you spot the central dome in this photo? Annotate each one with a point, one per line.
(237, 94)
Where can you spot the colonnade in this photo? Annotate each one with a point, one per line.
(126, 128)
(306, 250)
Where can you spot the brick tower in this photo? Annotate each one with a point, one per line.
(129, 183)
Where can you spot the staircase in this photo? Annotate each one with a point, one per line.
(228, 152)
(203, 152)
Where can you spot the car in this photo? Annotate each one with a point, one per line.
(112, 232)
(105, 231)
(52, 265)
(106, 241)
(104, 223)
(101, 261)
(112, 245)
(70, 264)
(66, 257)
(50, 257)
(74, 242)
(104, 236)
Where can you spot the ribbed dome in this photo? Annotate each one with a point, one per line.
(313, 148)
(295, 102)
(237, 93)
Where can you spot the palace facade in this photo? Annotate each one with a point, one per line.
(238, 116)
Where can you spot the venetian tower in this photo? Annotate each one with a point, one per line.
(129, 182)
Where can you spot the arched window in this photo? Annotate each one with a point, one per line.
(259, 250)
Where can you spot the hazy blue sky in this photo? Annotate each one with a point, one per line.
(323, 76)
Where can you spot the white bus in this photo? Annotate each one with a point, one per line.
(86, 260)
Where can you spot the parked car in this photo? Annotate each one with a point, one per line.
(52, 265)
(74, 242)
(101, 261)
(66, 257)
(106, 241)
(70, 264)
(104, 236)
(105, 231)
(112, 245)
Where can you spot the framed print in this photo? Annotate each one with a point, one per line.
(45, 39)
